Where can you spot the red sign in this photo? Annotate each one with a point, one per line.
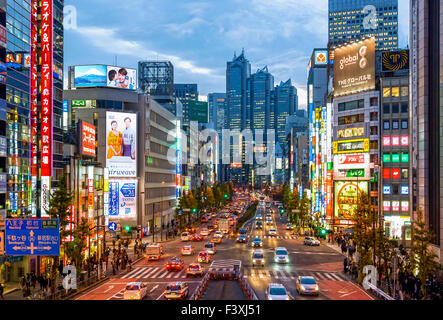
(34, 86)
(87, 145)
(386, 173)
(71, 224)
(235, 165)
(395, 173)
(3, 35)
(46, 87)
(329, 195)
(351, 159)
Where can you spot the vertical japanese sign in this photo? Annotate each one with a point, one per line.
(34, 111)
(91, 196)
(46, 100)
(71, 224)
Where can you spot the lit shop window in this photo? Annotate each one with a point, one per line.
(404, 173)
(386, 92)
(386, 205)
(405, 157)
(395, 141)
(404, 190)
(386, 173)
(404, 140)
(395, 205)
(395, 173)
(395, 91)
(386, 141)
(386, 157)
(404, 91)
(386, 189)
(395, 157)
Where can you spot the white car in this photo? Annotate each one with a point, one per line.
(187, 251)
(258, 258)
(272, 232)
(218, 233)
(204, 232)
(307, 285)
(184, 236)
(210, 248)
(259, 217)
(135, 291)
(277, 291)
(311, 241)
(281, 255)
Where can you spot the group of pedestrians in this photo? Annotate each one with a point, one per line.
(120, 260)
(30, 281)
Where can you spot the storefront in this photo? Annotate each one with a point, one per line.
(396, 226)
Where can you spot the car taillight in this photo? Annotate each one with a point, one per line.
(124, 291)
(138, 292)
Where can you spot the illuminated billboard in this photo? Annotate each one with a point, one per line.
(87, 132)
(351, 132)
(121, 144)
(321, 57)
(105, 76)
(354, 67)
(346, 197)
(122, 199)
(351, 146)
(352, 166)
(395, 60)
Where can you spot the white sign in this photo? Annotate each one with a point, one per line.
(344, 162)
(45, 181)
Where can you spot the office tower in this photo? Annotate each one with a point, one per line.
(237, 73)
(186, 92)
(285, 105)
(427, 110)
(217, 110)
(351, 20)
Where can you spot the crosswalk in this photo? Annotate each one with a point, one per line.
(144, 273)
(276, 237)
(285, 275)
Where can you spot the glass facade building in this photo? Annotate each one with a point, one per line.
(348, 21)
(186, 92)
(285, 104)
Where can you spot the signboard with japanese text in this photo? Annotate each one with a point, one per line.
(346, 197)
(354, 67)
(351, 166)
(351, 132)
(32, 237)
(122, 199)
(87, 132)
(45, 192)
(2, 242)
(351, 146)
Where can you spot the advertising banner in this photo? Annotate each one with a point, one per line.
(45, 192)
(122, 199)
(3, 35)
(351, 132)
(354, 67)
(395, 60)
(105, 76)
(87, 141)
(32, 237)
(2, 242)
(121, 144)
(346, 196)
(321, 57)
(351, 166)
(351, 146)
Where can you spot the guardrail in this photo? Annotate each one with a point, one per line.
(250, 293)
(379, 292)
(198, 292)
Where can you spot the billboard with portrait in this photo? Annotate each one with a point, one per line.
(124, 78)
(121, 144)
(105, 76)
(354, 67)
(122, 199)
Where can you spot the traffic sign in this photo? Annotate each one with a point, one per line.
(112, 226)
(32, 237)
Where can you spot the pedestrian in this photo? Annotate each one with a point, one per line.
(113, 267)
(345, 265)
(113, 243)
(130, 264)
(2, 288)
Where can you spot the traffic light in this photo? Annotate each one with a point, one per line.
(194, 210)
(226, 196)
(128, 228)
(323, 232)
(282, 211)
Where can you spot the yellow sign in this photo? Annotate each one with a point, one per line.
(351, 146)
(351, 132)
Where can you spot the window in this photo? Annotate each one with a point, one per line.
(404, 108)
(374, 116)
(405, 157)
(395, 124)
(395, 108)
(373, 144)
(394, 188)
(374, 131)
(386, 124)
(395, 91)
(404, 91)
(386, 108)
(386, 173)
(395, 157)
(404, 124)
(386, 92)
(374, 101)
(404, 173)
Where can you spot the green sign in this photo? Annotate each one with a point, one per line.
(395, 157)
(198, 111)
(329, 166)
(386, 158)
(375, 179)
(355, 173)
(405, 157)
(49, 224)
(78, 103)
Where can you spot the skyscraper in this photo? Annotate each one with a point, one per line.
(186, 92)
(285, 105)
(427, 110)
(217, 107)
(237, 73)
(354, 19)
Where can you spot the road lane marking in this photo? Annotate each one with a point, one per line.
(180, 274)
(139, 273)
(130, 273)
(152, 271)
(336, 277)
(157, 273)
(110, 288)
(163, 274)
(153, 288)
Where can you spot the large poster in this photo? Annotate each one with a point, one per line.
(105, 76)
(122, 199)
(354, 67)
(346, 197)
(121, 144)
(124, 78)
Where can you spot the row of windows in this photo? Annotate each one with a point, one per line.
(357, 118)
(396, 157)
(402, 91)
(395, 173)
(395, 108)
(351, 105)
(159, 192)
(153, 177)
(396, 124)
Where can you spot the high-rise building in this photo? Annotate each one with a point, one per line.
(351, 20)
(426, 40)
(186, 92)
(237, 73)
(285, 105)
(217, 110)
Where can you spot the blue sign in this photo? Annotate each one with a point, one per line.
(32, 237)
(112, 226)
(128, 190)
(405, 190)
(113, 199)
(386, 189)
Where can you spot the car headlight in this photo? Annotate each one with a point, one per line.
(302, 287)
(254, 261)
(287, 298)
(316, 288)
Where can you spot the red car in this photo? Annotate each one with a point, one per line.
(175, 264)
(197, 237)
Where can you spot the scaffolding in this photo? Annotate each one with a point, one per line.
(156, 77)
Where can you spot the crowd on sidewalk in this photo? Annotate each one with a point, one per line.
(409, 286)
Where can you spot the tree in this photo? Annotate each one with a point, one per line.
(210, 199)
(423, 261)
(59, 203)
(294, 204)
(75, 249)
(304, 209)
(286, 194)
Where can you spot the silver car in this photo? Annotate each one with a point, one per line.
(311, 241)
(307, 285)
(277, 291)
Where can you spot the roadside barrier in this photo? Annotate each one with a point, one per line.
(249, 292)
(378, 292)
(201, 288)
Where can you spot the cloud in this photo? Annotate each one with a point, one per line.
(186, 28)
(109, 41)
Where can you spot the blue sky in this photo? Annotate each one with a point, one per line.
(199, 37)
